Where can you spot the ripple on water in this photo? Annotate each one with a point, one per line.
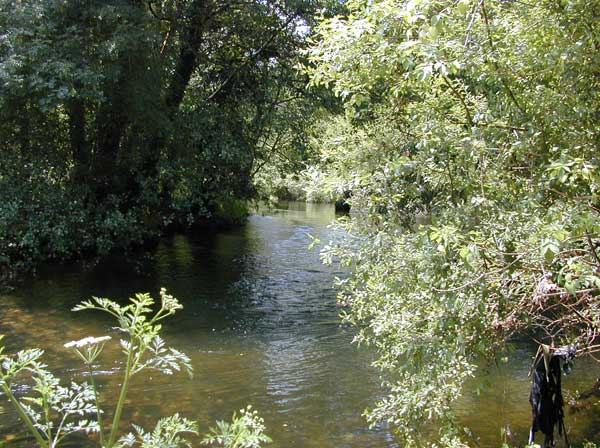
(260, 325)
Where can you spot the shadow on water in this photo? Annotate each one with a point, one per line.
(261, 326)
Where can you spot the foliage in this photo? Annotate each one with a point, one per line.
(55, 411)
(120, 120)
(142, 329)
(165, 435)
(469, 144)
(310, 185)
(230, 210)
(245, 431)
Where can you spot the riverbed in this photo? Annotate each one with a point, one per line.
(260, 324)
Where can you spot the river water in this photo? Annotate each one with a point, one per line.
(260, 324)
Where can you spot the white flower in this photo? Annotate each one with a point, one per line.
(87, 341)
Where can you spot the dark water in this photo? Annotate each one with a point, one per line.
(261, 326)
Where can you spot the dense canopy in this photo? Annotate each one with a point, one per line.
(121, 118)
(480, 119)
(465, 135)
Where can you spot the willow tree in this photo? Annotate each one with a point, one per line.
(470, 144)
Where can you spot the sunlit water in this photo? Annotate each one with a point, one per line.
(260, 323)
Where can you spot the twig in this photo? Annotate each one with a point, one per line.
(165, 41)
(471, 22)
(461, 99)
(248, 59)
(592, 248)
(560, 293)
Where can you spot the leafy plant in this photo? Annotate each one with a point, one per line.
(468, 143)
(244, 431)
(166, 434)
(54, 411)
(142, 346)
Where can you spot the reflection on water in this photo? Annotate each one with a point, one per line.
(261, 326)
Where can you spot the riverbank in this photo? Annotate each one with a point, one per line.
(35, 236)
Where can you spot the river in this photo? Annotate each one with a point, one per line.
(260, 324)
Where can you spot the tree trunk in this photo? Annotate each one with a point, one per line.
(187, 62)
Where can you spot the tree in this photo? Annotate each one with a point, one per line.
(135, 116)
(460, 117)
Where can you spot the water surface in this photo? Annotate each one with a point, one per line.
(260, 323)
